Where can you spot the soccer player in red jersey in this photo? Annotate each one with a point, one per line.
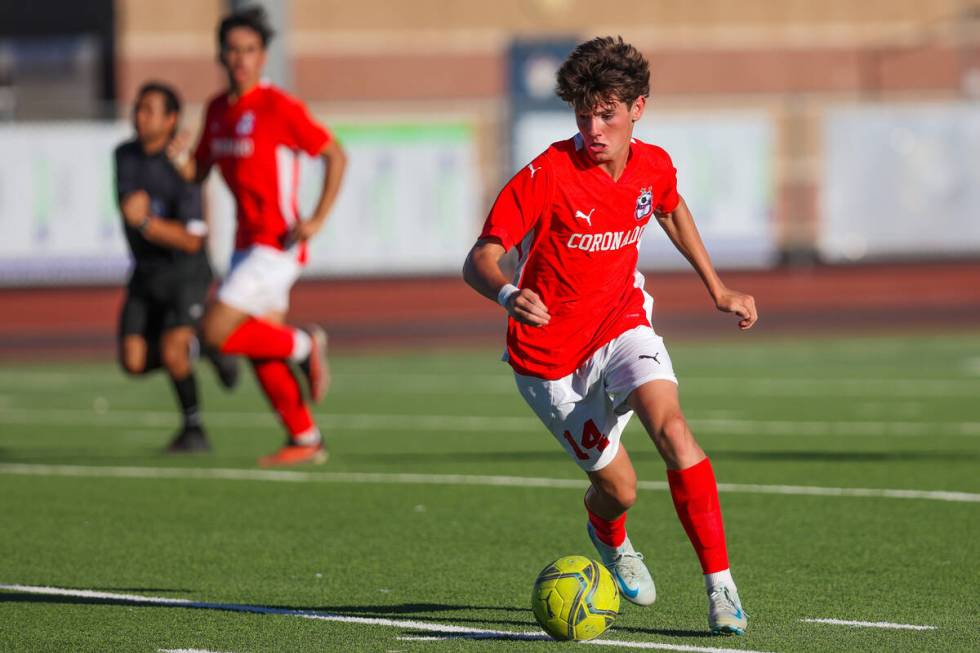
(253, 133)
(579, 334)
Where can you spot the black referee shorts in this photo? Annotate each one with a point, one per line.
(155, 305)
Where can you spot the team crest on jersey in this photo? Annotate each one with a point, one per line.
(644, 203)
(245, 124)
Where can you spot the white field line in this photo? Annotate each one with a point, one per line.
(187, 650)
(408, 624)
(479, 423)
(456, 382)
(292, 476)
(867, 624)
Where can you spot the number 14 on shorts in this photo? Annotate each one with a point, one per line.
(592, 437)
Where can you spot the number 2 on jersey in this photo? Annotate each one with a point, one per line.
(592, 437)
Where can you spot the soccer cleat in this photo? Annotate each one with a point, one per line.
(315, 366)
(296, 454)
(627, 568)
(725, 614)
(190, 439)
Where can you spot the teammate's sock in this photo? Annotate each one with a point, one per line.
(284, 394)
(186, 390)
(718, 579)
(610, 532)
(257, 338)
(695, 495)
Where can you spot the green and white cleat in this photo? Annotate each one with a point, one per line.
(627, 567)
(725, 614)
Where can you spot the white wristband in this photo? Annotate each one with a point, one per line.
(508, 291)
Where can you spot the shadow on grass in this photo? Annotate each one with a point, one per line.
(414, 611)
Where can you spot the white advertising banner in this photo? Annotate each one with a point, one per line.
(901, 181)
(409, 203)
(724, 171)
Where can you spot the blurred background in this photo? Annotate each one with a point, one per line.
(830, 152)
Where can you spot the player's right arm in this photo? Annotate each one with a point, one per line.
(517, 210)
(482, 272)
(192, 166)
(166, 232)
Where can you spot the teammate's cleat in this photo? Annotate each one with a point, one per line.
(296, 454)
(226, 367)
(627, 567)
(315, 366)
(190, 439)
(725, 614)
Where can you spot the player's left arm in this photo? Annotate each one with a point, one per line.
(166, 232)
(335, 159)
(680, 228)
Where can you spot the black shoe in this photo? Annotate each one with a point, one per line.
(226, 367)
(190, 439)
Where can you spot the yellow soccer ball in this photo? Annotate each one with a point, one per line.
(575, 598)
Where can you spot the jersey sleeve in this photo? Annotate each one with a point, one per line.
(126, 174)
(669, 198)
(520, 204)
(302, 130)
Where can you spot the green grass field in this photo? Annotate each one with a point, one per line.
(444, 497)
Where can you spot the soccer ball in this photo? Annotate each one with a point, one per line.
(575, 598)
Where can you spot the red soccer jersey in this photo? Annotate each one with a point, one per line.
(577, 234)
(255, 142)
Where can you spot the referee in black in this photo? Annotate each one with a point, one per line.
(171, 275)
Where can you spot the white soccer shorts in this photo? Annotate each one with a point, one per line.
(259, 280)
(586, 411)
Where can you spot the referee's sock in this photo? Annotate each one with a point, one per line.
(186, 390)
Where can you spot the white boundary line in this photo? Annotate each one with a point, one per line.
(292, 476)
(408, 624)
(481, 423)
(186, 650)
(867, 624)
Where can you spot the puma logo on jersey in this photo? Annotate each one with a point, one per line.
(531, 167)
(583, 216)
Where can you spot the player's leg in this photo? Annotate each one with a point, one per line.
(136, 355)
(611, 495)
(695, 496)
(175, 348)
(577, 411)
(305, 443)
(258, 284)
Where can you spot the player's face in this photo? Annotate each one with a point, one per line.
(243, 57)
(150, 118)
(607, 129)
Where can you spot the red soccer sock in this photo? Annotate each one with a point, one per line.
(611, 533)
(284, 394)
(256, 338)
(695, 495)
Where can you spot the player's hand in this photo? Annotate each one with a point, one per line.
(740, 304)
(135, 207)
(301, 232)
(527, 308)
(179, 149)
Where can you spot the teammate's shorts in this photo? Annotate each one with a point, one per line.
(259, 280)
(586, 411)
(160, 303)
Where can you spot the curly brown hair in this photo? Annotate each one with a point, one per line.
(600, 72)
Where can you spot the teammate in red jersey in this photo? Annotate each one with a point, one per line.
(253, 132)
(580, 336)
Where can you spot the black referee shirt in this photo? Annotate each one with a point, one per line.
(171, 198)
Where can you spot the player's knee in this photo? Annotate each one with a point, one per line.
(213, 332)
(132, 365)
(625, 495)
(175, 358)
(674, 431)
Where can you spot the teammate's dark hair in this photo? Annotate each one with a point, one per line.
(171, 101)
(254, 18)
(602, 71)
